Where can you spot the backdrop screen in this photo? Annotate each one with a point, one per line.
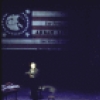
(35, 30)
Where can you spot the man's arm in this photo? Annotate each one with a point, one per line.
(31, 75)
(27, 72)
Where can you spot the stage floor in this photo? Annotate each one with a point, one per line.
(24, 94)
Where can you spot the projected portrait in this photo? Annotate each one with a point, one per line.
(15, 24)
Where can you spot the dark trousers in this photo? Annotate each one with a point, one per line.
(34, 89)
(34, 94)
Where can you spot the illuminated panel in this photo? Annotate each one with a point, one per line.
(48, 14)
(48, 23)
(51, 27)
(35, 30)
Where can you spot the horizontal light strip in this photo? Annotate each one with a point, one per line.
(48, 14)
(55, 32)
(50, 27)
(50, 18)
(33, 41)
(32, 49)
(19, 48)
(48, 23)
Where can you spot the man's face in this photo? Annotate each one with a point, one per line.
(33, 65)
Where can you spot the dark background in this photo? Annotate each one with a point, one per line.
(77, 68)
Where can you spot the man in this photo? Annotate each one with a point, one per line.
(34, 80)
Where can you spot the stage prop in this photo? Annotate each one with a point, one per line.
(8, 89)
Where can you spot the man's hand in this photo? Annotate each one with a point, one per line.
(31, 76)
